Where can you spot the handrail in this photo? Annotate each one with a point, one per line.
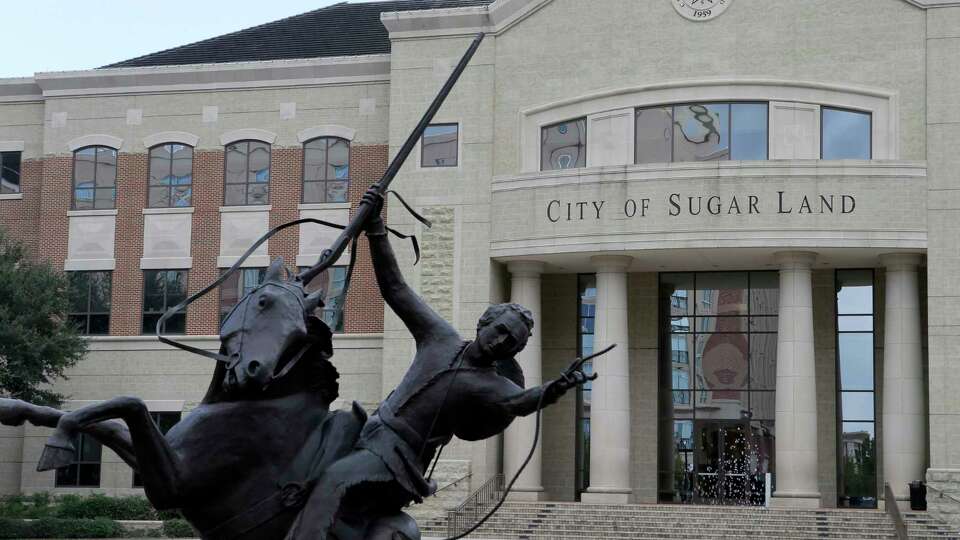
(890, 503)
(455, 482)
(472, 509)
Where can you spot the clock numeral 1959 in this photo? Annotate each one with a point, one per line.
(701, 13)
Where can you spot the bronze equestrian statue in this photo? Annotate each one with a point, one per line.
(262, 457)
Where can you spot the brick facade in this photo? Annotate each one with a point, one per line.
(20, 218)
(40, 220)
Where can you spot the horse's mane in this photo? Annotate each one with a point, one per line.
(314, 367)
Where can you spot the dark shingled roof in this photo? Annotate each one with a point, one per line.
(342, 29)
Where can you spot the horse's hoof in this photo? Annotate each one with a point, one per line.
(58, 452)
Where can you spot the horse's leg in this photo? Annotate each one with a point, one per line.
(113, 435)
(161, 479)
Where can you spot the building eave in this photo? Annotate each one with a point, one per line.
(214, 77)
(19, 89)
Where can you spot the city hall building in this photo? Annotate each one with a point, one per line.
(757, 201)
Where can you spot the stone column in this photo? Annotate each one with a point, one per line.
(796, 397)
(904, 418)
(610, 407)
(518, 438)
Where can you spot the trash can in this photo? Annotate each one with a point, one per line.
(918, 495)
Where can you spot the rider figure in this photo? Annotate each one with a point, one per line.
(472, 390)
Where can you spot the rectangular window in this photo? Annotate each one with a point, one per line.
(247, 173)
(326, 170)
(564, 145)
(845, 134)
(439, 145)
(856, 402)
(586, 315)
(85, 471)
(9, 173)
(236, 286)
(95, 178)
(162, 290)
(171, 176)
(331, 281)
(164, 421)
(701, 132)
(90, 301)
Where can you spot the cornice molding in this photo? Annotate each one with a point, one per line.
(206, 77)
(493, 19)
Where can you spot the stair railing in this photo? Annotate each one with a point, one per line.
(890, 503)
(474, 507)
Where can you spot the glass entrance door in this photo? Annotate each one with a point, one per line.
(726, 464)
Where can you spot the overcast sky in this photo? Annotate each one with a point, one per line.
(58, 35)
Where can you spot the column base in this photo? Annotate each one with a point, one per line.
(795, 500)
(527, 494)
(605, 496)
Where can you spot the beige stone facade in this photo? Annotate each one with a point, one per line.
(505, 229)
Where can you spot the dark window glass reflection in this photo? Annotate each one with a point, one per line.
(858, 465)
(236, 286)
(162, 290)
(85, 471)
(586, 314)
(9, 173)
(845, 134)
(90, 301)
(438, 147)
(564, 145)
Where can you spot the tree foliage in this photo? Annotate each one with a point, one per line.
(37, 340)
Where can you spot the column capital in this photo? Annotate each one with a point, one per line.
(611, 263)
(526, 268)
(795, 259)
(901, 261)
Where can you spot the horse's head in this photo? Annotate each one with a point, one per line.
(268, 331)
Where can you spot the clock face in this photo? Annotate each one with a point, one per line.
(700, 10)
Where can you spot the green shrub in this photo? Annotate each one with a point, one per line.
(33, 506)
(60, 528)
(178, 528)
(102, 506)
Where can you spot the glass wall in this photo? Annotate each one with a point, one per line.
(719, 346)
(586, 310)
(856, 404)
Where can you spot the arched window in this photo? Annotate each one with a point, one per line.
(247, 173)
(94, 178)
(171, 176)
(326, 170)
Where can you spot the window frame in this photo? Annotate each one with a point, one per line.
(73, 177)
(88, 313)
(171, 187)
(166, 305)
(247, 182)
(729, 130)
(869, 115)
(325, 181)
(19, 171)
(422, 165)
(80, 441)
(586, 140)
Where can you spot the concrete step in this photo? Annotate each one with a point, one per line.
(541, 521)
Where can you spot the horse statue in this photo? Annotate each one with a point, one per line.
(212, 466)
